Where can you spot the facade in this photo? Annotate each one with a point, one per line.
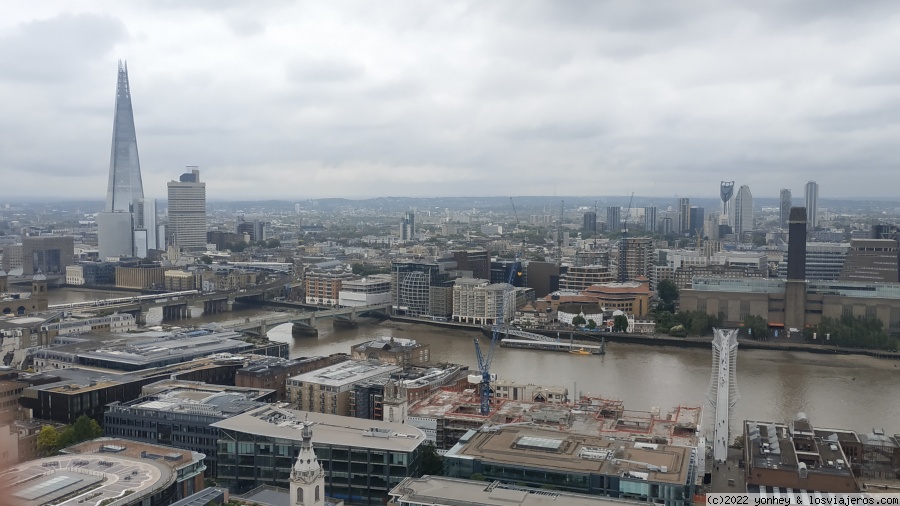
(696, 220)
(408, 227)
(589, 223)
(375, 289)
(635, 258)
(613, 219)
(187, 212)
(327, 390)
(743, 211)
(650, 219)
(392, 351)
(273, 372)
(146, 228)
(177, 281)
(684, 215)
(141, 277)
(580, 278)
(480, 302)
(46, 254)
(578, 464)
(323, 286)
(24, 303)
(179, 414)
(421, 289)
(872, 261)
(824, 261)
(812, 204)
(107, 467)
(363, 459)
(119, 322)
(784, 207)
(478, 262)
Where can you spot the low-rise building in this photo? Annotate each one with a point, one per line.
(371, 290)
(323, 286)
(328, 390)
(119, 322)
(180, 413)
(362, 459)
(110, 471)
(392, 351)
(273, 372)
(575, 463)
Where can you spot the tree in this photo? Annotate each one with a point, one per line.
(591, 324)
(668, 294)
(664, 321)
(853, 332)
(738, 442)
(273, 243)
(620, 323)
(678, 331)
(578, 320)
(432, 463)
(206, 259)
(755, 327)
(48, 441)
(83, 429)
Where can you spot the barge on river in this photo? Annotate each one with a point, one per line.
(575, 349)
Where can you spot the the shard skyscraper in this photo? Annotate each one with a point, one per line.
(121, 232)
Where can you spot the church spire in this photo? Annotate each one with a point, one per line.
(307, 475)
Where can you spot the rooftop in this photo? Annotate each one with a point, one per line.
(277, 422)
(779, 446)
(456, 492)
(546, 449)
(197, 398)
(345, 373)
(101, 469)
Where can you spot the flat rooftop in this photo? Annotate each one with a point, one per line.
(277, 422)
(778, 446)
(101, 469)
(456, 492)
(345, 373)
(547, 449)
(196, 398)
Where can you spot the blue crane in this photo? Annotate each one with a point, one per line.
(484, 361)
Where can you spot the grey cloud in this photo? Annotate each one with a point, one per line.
(323, 70)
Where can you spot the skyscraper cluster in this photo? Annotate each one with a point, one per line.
(127, 226)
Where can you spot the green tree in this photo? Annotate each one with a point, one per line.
(678, 331)
(578, 320)
(206, 259)
(273, 243)
(83, 429)
(853, 332)
(755, 327)
(432, 463)
(664, 321)
(47, 441)
(738, 442)
(699, 323)
(620, 323)
(591, 324)
(668, 294)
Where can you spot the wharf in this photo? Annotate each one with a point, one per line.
(590, 349)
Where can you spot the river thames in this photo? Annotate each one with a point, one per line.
(843, 391)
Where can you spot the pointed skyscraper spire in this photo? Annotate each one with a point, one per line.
(124, 166)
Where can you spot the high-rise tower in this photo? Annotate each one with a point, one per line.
(743, 212)
(116, 222)
(187, 211)
(726, 191)
(684, 216)
(812, 203)
(784, 209)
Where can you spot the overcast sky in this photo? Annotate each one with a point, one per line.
(299, 100)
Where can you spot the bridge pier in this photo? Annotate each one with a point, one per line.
(340, 323)
(302, 330)
(176, 312)
(216, 306)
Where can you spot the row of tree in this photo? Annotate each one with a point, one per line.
(51, 440)
(851, 332)
(684, 323)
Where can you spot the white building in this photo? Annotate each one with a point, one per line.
(187, 212)
(812, 204)
(74, 275)
(483, 303)
(375, 289)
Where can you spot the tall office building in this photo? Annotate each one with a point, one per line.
(812, 203)
(613, 219)
(743, 211)
(650, 219)
(684, 216)
(589, 224)
(115, 223)
(696, 220)
(408, 226)
(187, 211)
(145, 227)
(784, 209)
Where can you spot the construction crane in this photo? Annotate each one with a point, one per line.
(484, 361)
(623, 267)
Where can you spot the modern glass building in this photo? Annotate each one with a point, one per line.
(363, 459)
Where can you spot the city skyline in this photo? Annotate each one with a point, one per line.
(461, 99)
